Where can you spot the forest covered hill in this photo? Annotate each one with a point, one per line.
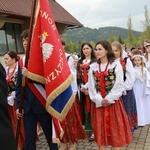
(90, 34)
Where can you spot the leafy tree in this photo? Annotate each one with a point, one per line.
(93, 43)
(130, 34)
(120, 40)
(131, 40)
(70, 46)
(146, 33)
(112, 39)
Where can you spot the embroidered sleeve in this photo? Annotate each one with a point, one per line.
(118, 87)
(94, 96)
(130, 75)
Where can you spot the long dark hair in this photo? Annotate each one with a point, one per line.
(107, 46)
(92, 52)
(13, 55)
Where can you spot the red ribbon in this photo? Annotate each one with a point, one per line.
(103, 93)
(102, 81)
(85, 75)
(9, 75)
(85, 80)
(122, 62)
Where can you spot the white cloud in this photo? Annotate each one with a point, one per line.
(101, 13)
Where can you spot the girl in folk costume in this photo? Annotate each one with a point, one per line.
(128, 96)
(71, 125)
(105, 83)
(142, 90)
(87, 57)
(11, 61)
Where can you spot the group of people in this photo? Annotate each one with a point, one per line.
(141, 62)
(33, 112)
(104, 86)
(111, 97)
(113, 91)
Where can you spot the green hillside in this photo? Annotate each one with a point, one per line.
(89, 34)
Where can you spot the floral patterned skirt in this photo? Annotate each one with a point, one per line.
(72, 126)
(129, 104)
(110, 125)
(12, 114)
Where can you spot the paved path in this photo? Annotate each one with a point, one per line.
(141, 141)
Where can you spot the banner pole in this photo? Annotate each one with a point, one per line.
(26, 65)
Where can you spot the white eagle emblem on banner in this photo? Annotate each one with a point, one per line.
(47, 48)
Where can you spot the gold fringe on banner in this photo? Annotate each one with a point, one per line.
(36, 77)
(55, 94)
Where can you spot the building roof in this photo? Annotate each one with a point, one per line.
(22, 9)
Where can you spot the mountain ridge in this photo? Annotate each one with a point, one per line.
(94, 34)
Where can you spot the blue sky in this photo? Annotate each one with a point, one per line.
(102, 13)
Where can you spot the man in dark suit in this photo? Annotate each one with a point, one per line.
(34, 111)
(7, 140)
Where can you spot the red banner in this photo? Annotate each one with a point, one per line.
(47, 62)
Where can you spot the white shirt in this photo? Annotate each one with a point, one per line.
(11, 97)
(129, 74)
(117, 89)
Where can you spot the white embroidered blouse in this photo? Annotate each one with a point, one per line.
(129, 74)
(116, 90)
